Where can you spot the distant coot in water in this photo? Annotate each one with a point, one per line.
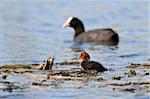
(100, 36)
(90, 65)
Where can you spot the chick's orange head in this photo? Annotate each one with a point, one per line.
(84, 56)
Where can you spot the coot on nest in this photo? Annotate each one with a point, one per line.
(105, 36)
(90, 65)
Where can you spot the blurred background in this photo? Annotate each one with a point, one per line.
(31, 31)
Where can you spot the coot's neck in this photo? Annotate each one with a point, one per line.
(79, 29)
(85, 61)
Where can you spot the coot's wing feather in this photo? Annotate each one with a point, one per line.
(97, 66)
(98, 35)
(92, 65)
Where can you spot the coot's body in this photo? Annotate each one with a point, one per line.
(90, 65)
(101, 36)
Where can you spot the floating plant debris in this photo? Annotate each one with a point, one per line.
(129, 83)
(68, 63)
(133, 65)
(52, 78)
(40, 84)
(75, 78)
(129, 89)
(131, 73)
(117, 78)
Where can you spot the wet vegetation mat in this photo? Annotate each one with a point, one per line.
(22, 77)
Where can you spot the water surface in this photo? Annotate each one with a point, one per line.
(31, 31)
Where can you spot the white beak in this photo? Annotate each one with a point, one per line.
(67, 23)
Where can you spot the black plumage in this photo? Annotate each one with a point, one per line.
(105, 36)
(92, 65)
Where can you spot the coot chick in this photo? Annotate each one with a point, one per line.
(90, 65)
(105, 36)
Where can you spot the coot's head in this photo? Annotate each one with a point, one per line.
(72, 22)
(75, 23)
(84, 56)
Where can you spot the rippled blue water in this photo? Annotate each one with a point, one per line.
(31, 30)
